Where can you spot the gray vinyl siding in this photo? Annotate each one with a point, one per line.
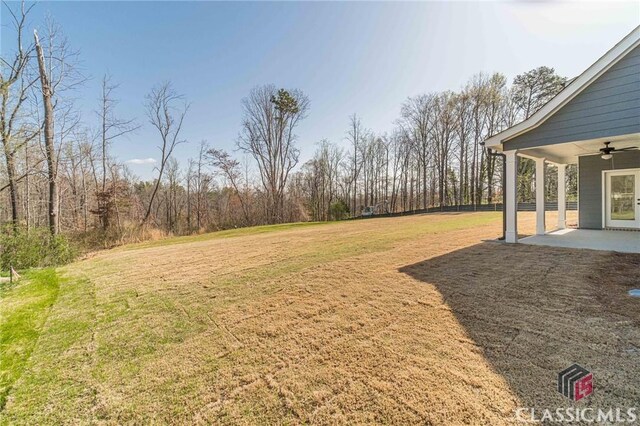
(610, 106)
(590, 184)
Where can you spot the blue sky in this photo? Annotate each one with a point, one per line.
(363, 58)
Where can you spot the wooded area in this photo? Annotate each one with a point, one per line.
(58, 172)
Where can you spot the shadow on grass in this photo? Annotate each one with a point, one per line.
(536, 310)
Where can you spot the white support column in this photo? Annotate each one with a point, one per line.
(510, 196)
(540, 172)
(562, 197)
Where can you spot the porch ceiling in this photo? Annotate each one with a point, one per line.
(568, 153)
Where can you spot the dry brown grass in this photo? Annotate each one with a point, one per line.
(404, 320)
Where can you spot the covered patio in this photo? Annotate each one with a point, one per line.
(598, 200)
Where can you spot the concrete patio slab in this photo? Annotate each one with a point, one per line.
(621, 241)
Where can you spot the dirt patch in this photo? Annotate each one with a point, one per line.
(612, 279)
(536, 310)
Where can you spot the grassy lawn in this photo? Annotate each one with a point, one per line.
(24, 308)
(372, 321)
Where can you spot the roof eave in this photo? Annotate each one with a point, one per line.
(577, 85)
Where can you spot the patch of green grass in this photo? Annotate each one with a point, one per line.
(23, 309)
(228, 233)
(59, 361)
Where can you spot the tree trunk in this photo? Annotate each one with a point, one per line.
(11, 168)
(48, 139)
(13, 187)
(27, 196)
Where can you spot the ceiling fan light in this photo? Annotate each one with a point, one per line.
(606, 156)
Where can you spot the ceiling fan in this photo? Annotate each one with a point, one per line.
(607, 151)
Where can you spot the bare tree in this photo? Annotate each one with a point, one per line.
(201, 182)
(416, 116)
(47, 93)
(321, 181)
(58, 73)
(355, 136)
(166, 112)
(270, 119)
(230, 169)
(171, 194)
(111, 127)
(443, 128)
(14, 87)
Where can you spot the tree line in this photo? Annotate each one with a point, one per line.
(434, 157)
(58, 172)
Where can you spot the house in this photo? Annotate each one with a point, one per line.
(593, 122)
